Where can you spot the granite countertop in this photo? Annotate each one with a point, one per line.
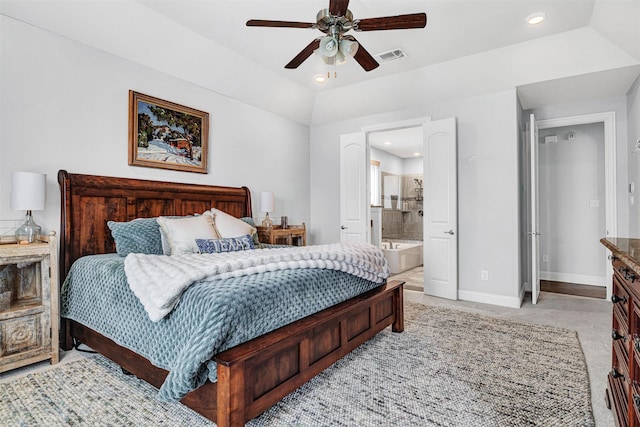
(627, 250)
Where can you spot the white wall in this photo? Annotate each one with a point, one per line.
(488, 215)
(413, 165)
(64, 105)
(633, 130)
(571, 181)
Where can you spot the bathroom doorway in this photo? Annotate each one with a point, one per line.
(397, 196)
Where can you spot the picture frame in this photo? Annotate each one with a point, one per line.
(167, 135)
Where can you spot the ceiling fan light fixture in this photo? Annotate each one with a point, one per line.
(348, 47)
(328, 46)
(535, 18)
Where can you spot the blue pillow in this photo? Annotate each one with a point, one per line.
(140, 236)
(214, 246)
(252, 223)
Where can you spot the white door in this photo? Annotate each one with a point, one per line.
(534, 233)
(440, 209)
(354, 193)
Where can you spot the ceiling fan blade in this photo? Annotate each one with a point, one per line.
(338, 7)
(362, 56)
(400, 22)
(284, 24)
(303, 55)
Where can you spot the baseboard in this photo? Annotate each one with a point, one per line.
(578, 279)
(501, 300)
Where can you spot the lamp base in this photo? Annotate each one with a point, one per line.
(266, 222)
(29, 231)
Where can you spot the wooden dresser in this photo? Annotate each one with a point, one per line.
(623, 391)
(28, 302)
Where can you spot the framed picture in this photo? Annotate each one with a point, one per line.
(167, 135)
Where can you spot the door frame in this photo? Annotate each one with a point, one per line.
(610, 149)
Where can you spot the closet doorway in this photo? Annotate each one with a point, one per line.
(576, 166)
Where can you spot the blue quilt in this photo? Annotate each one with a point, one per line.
(212, 315)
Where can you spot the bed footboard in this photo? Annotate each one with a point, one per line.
(253, 377)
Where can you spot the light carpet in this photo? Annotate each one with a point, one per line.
(449, 368)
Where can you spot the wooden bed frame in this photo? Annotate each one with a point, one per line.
(252, 376)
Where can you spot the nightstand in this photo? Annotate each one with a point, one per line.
(29, 320)
(292, 235)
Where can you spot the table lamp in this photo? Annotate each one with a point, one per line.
(266, 205)
(28, 192)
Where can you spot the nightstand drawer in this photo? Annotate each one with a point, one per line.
(20, 334)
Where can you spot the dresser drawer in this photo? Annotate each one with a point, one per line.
(620, 295)
(635, 399)
(625, 274)
(620, 331)
(618, 400)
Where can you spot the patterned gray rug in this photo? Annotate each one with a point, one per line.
(448, 368)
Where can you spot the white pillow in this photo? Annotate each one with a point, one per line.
(181, 233)
(229, 226)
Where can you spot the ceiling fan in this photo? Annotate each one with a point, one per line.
(335, 22)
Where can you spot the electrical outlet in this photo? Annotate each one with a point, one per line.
(545, 258)
(484, 275)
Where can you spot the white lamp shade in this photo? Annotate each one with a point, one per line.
(266, 201)
(28, 191)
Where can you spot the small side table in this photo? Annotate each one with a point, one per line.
(293, 235)
(29, 306)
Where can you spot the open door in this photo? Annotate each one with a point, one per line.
(534, 231)
(354, 188)
(441, 209)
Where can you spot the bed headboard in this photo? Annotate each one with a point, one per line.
(89, 201)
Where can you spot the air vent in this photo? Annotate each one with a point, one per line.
(391, 55)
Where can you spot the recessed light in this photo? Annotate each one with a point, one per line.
(416, 154)
(319, 79)
(535, 18)
(387, 143)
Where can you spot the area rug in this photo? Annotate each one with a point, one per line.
(449, 368)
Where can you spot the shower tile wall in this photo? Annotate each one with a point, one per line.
(391, 224)
(405, 222)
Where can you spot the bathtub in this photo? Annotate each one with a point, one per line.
(402, 256)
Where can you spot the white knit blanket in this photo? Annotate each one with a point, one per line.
(159, 280)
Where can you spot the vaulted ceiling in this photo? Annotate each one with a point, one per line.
(584, 49)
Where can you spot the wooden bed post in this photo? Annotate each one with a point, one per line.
(398, 324)
(231, 395)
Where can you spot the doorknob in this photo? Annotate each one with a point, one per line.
(450, 232)
(342, 227)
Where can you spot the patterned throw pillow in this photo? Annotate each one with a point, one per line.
(232, 244)
(140, 236)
